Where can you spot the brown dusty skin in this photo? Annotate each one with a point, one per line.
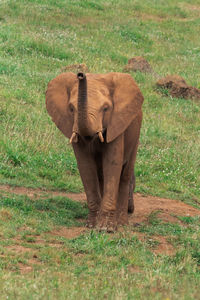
(84, 106)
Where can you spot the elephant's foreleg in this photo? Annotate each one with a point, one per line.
(112, 166)
(88, 172)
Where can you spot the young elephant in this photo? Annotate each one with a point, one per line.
(101, 115)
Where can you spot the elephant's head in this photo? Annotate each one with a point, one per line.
(90, 105)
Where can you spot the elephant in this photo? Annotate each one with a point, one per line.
(101, 114)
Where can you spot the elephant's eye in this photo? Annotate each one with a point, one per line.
(105, 108)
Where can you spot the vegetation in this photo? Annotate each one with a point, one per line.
(37, 39)
(39, 261)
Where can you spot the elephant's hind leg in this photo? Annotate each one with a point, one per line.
(125, 198)
(130, 196)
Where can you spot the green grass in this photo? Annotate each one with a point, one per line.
(37, 264)
(37, 39)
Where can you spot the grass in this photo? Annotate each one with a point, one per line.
(37, 39)
(36, 263)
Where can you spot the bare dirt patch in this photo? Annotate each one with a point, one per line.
(68, 233)
(164, 247)
(168, 209)
(18, 249)
(134, 269)
(144, 205)
(157, 18)
(163, 17)
(5, 214)
(41, 193)
(26, 268)
(160, 243)
(138, 63)
(193, 7)
(190, 7)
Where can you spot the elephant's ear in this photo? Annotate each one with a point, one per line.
(57, 97)
(127, 103)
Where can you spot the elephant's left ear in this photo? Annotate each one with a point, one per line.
(127, 103)
(57, 98)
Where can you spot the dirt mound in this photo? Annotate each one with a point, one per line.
(75, 68)
(138, 63)
(178, 87)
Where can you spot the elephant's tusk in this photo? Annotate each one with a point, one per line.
(74, 138)
(101, 136)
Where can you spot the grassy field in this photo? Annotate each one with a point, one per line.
(41, 259)
(37, 39)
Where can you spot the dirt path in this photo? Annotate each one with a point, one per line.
(167, 209)
(146, 207)
(40, 193)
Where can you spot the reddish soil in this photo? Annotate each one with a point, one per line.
(29, 267)
(178, 87)
(191, 7)
(146, 207)
(18, 249)
(169, 209)
(138, 63)
(134, 269)
(68, 233)
(163, 246)
(40, 193)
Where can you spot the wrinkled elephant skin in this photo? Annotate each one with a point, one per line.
(101, 114)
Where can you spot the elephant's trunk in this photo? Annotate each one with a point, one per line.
(84, 123)
(82, 104)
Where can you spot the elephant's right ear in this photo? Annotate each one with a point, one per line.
(57, 97)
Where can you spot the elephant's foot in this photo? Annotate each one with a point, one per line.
(92, 219)
(107, 221)
(122, 218)
(130, 205)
